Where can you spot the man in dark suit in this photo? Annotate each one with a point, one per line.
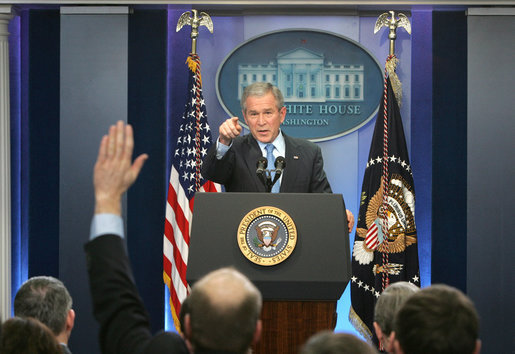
(124, 323)
(232, 160)
(47, 300)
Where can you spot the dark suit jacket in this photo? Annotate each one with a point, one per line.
(124, 323)
(304, 171)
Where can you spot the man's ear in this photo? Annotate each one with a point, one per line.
(397, 347)
(477, 350)
(70, 320)
(257, 332)
(187, 326)
(389, 347)
(186, 332)
(282, 113)
(378, 331)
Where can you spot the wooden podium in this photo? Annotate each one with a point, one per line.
(299, 294)
(287, 325)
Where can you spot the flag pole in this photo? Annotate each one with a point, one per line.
(384, 20)
(195, 22)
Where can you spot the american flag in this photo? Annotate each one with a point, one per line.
(185, 180)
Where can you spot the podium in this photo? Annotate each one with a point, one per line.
(301, 292)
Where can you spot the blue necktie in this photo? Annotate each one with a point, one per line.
(271, 165)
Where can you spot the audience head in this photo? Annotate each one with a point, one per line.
(261, 89)
(437, 320)
(386, 308)
(27, 336)
(328, 342)
(46, 299)
(223, 312)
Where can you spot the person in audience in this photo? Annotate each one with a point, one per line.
(387, 305)
(27, 335)
(328, 342)
(222, 313)
(47, 300)
(117, 306)
(439, 319)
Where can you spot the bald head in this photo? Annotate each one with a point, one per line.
(224, 308)
(226, 288)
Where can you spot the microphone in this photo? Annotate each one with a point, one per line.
(261, 165)
(280, 164)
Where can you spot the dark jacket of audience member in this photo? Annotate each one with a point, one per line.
(117, 306)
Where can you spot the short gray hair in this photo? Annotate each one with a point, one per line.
(390, 301)
(46, 299)
(260, 89)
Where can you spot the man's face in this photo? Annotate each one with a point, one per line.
(263, 117)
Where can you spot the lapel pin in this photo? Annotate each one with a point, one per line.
(295, 157)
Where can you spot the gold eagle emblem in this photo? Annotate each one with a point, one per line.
(267, 236)
(400, 220)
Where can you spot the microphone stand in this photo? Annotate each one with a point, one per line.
(265, 175)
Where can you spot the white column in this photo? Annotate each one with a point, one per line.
(5, 168)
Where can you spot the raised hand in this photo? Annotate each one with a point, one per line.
(114, 171)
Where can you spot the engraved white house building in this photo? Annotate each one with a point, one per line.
(303, 75)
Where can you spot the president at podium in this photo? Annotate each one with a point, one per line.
(240, 162)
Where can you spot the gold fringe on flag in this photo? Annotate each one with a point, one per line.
(361, 327)
(175, 315)
(391, 65)
(193, 65)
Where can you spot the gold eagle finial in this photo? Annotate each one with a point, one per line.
(384, 20)
(195, 22)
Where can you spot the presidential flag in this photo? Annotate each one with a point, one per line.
(385, 244)
(185, 180)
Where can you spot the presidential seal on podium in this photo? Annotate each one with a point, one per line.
(267, 236)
